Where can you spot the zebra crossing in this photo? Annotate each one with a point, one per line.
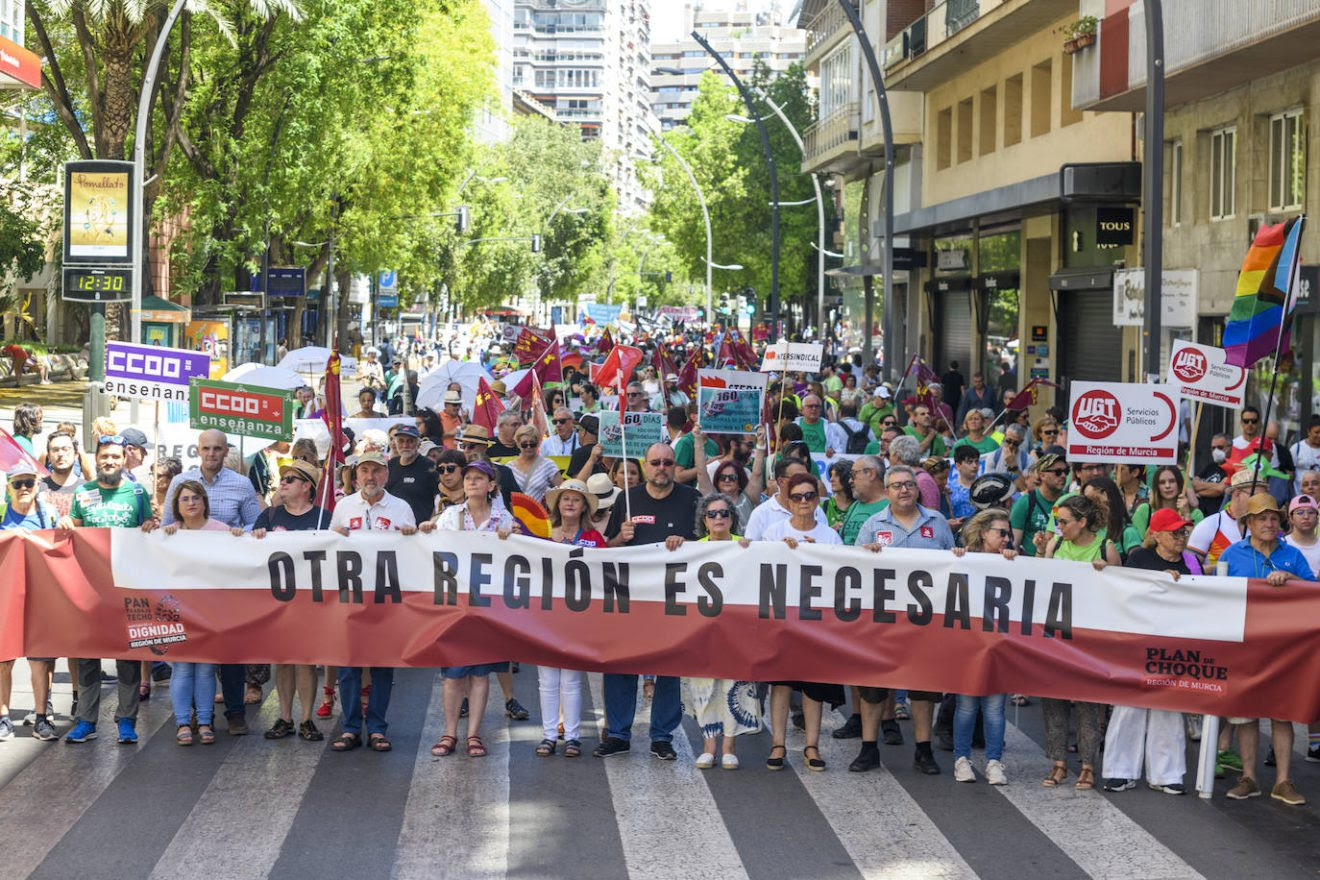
(251, 808)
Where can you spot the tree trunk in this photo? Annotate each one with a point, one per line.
(119, 96)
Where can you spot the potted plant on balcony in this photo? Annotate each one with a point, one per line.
(1080, 34)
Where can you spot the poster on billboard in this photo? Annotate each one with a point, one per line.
(729, 401)
(642, 428)
(1199, 372)
(211, 337)
(98, 218)
(1122, 422)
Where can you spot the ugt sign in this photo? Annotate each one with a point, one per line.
(151, 372)
(241, 409)
(1121, 422)
(1199, 372)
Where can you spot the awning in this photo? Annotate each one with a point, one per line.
(504, 313)
(154, 308)
(18, 66)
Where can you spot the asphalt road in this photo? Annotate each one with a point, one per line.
(251, 808)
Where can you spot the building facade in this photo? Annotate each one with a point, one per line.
(491, 124)
(588, 61)
(742, 37)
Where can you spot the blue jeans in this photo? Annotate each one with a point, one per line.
(350, 698)
(193, 685)
(621, 706)
(964, 720)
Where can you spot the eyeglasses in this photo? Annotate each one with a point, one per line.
(528, 445)
(22, 484)
(446, 468)
(636, 394)
(905, 486)
(562, 421)
(718, 514)
(661, 462)
(1003, 533)
(1056, 472)
(1009, 441)
(803, 496)
(292, 479)
(726, 477)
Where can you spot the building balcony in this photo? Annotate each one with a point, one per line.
(825, 30)
(830, 144)
(956, 35)
(1210, 46)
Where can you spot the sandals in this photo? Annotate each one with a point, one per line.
(327, 707)
(184, 735)
(475, 747)
(817, 763)
(252, 696)
(144, 691)
(1085, 779)
(773, 763)
(444, 746)
(546, 748)
(206, 734)
(378, 743)
(572, 749)
(346, 742)
(1056, 777)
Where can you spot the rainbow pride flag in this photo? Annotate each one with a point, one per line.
(1266, 293)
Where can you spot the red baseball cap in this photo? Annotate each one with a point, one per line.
(1166, 519)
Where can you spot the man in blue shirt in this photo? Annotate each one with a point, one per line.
(1262, 555)
(904, 523)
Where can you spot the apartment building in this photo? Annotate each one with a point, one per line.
(741, 36)
(589, 62)
(1000, 185)
(1242, 86)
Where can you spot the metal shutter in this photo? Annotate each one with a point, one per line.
(1090, 346)
(954, 342)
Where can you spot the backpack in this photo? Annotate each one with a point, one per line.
(858, 440)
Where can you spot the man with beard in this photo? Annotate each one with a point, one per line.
(109, 501)
(59, 487)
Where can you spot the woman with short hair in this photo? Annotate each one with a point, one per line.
(534, 473)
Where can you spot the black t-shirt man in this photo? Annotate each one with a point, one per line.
(654, 520)
(1212, 473)
(277, 519)
(1146, 558)
(416, 484)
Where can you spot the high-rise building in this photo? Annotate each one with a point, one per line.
(588, 60)
(741, 36)
(492, 120)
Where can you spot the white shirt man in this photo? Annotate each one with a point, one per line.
(563, 440)
(372, 508)
(1306, 453)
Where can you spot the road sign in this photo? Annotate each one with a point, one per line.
(1122, 422)
(241, 409)
(286, 281)
(389, 281)
(152, 372)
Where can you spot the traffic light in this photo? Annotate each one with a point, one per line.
(464, 218)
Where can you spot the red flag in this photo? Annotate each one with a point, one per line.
(663, 365)
(726, 356)
(333, 416)
(531, 344)
(619, 365)
(538, 406)
(605, 342)
(12, 454)
(486, 411)
(687, 377)
(547, 368)
(743, 350)
(1027, 396)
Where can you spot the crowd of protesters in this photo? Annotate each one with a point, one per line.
(841, 459)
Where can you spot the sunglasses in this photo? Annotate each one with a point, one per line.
(446, 468)
(636, 394)
(562, 421)
(1250, 421)
(1050, 433)
(1001, 532)
(1055, 472)
(661, 462)
(292, 479)
(727, 477)
(718, 514)
(803, 496)
(22, 484)
(111, 439)
(528, 445)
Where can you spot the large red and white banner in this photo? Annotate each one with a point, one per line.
(924, 620)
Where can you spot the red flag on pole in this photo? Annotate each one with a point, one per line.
(619, 365)
(605, 342)
(1027, 396)
(486, 411)
(531, 344)
(687, 377)
(12, 454)
(663, 365)
(548, 368)
(333, 416)
(538, 407)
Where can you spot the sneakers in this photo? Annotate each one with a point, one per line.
(1120, 784)
(1313, 754)
(81, 733)
(994, 773)
(962, 770)
(1287, 792)
(6, 729)
(1270, 760)
(516, 710)
(1193, 723)
(279, 730)
(1246, 788)
(867, 759)
(901, 712)
(127, 732)
(924, 762)
(1225, 761)
(44, 730)
(1171, 788)
(238, 726)
(890, 733)
(945, 739)
(663, 750)
(851, 729)
(609, 747)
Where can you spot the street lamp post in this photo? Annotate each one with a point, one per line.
(705, 216)
(750, 101)
(1152, 196)
(887, 128)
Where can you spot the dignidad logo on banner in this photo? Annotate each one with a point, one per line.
(1122, 422)
(642, 428)
(150, 372)
(1199, 372)
(793, 356)
(729, 401)
(241, 409)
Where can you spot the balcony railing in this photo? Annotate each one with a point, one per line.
(831, 132)
(824, 25)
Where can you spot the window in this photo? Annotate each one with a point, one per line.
(1174, 211)
(944, 138)
(1223, 173)
(1041, 76)
(988, 112)
(965, 130)
(1287, 161)
(836, 81)
(1013, 110)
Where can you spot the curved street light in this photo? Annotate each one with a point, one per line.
(732, 267)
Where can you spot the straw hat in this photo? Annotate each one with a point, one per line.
(552, 497)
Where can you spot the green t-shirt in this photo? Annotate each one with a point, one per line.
(1090, 553)
(984, 445)
(126, 506)
(937, 447)
(813, 435)
(1031, 513)
(685, 455)
(857, 514)
(872, 416)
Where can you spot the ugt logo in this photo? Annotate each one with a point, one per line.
(1190, 365)
(1096, 414)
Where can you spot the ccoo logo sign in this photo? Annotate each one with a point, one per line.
(153, 363)
(1189, 365)
(1096, 414)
